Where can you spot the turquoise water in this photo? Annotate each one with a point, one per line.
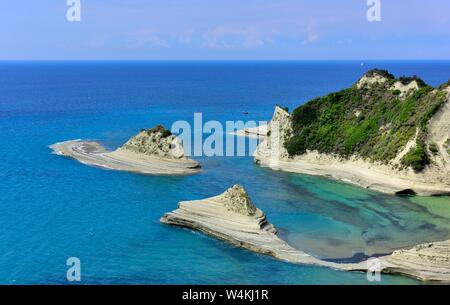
(53, 208)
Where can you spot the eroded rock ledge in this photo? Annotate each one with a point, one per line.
(152, 151)
(232, 217)
(427, 262)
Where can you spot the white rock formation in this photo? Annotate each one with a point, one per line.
(152, 151)
(368, 80)
(272, 149)
(439, 133)
(405, 90)
(232, 217)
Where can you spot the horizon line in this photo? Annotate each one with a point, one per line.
(213, 60)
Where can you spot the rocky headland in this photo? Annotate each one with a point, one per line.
(387, 134)
(152, 151)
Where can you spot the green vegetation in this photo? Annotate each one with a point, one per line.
(396, 92)
(405, 80)
(380, 72)
(159, 129)
(433, 148)
(417, 158)
(447, 145)
(444, 85)
(373, 122)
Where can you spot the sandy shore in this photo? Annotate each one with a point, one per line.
(367, 175)
(93, 153)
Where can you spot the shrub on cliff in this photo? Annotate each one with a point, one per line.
(417, 158)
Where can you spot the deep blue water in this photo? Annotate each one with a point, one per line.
(53, 208)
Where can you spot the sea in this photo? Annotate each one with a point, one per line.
(53, 208)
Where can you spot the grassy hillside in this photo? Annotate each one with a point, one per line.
(373, 121)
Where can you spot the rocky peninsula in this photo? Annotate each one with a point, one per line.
(152, 151)
(386, 134)
(232, 217)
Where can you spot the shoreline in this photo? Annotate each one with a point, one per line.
(356, 172)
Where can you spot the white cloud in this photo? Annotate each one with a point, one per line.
(229, 36)
(312, 33)
(145, 37)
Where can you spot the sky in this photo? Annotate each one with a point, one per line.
(224, 30)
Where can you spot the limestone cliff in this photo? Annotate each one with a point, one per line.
(383, 133)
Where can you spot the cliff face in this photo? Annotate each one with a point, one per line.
(398, 127)
(279, 130)
(156, 142)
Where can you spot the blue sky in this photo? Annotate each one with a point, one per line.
(225, 30)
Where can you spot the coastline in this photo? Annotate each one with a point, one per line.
(389, 178)
(357, 172)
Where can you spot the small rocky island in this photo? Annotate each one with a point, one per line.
(383, 133)
(232, 217)
(152, 151)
